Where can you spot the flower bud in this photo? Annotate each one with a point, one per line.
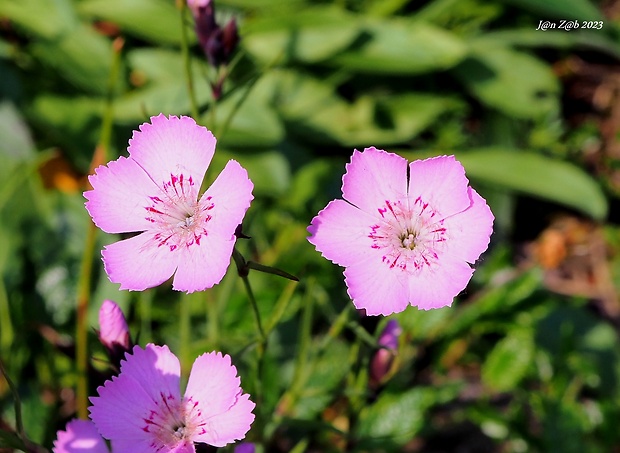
(218, 44)
(113, 331)
(245, 447)
(382, 361)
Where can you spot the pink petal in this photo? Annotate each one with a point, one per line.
(133, 446)
(231, 193)
(120, 411)
(119, 197)
(470, 230)
(440, 182)
(437, 286)
(156, 368)
(231, 425)
(172, 146)
(138, 263)
(372, 177)
(372, 285)
(125, 403)
(214, 385)
(80, 436)
(204, 265)
(340, 232)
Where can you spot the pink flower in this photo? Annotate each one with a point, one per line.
(406, 234)
(154, 191)
(142, 410)
(80, 436)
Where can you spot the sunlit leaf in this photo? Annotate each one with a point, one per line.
(81, 56)
(399, 46)
(155, 20)
(42, 18)
(539, 176)
(509, 361)
(310, 35)
(514, 82)
(560, 9)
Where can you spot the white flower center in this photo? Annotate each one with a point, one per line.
(178, 219)
(175, 420)
(410, 235)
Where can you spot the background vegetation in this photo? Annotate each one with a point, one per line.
(527, 359)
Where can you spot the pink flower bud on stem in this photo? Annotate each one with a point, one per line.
(383, 359)
(113, 331)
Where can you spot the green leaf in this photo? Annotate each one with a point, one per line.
(310, 36)
(82, 56)
(10, 440)
(399, 46)
(71, 122)
(514, 82)
(509, 361)
(312, 108)
(157, 21)
(560, 9)
(161, 73)
(42, 18)
(253, 124)
(396, 418)
(495, 302)
(268, 170)
(323, 382)
(539, 176)
(15, 139)
(528, 37)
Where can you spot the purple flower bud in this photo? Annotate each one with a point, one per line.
(382, 361)
(218, 44)
(113, 330)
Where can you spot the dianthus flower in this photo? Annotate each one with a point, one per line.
(406, 234)
(80, 436)
(154, 192)
(142, 411)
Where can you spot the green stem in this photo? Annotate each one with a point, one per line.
(6, 326)
(259, 324)
(84, 282)
(185, 324)
(145, 302)
(81, 334)
(187, 61)
(19, 424)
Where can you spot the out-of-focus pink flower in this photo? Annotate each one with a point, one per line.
(155, 191)
(406, 234)
(142, 410)
(80, 436)
(382, 360)
(113, 329)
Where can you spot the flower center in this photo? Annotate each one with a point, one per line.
(410, 236)
(178, 219)
(174, 421)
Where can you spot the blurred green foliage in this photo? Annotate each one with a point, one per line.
(519, 363)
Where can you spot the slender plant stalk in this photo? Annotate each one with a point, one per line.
(19, 424)
(185, 325)
(81, 334)
(84, 283)
(6, 326)
(187, 62)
